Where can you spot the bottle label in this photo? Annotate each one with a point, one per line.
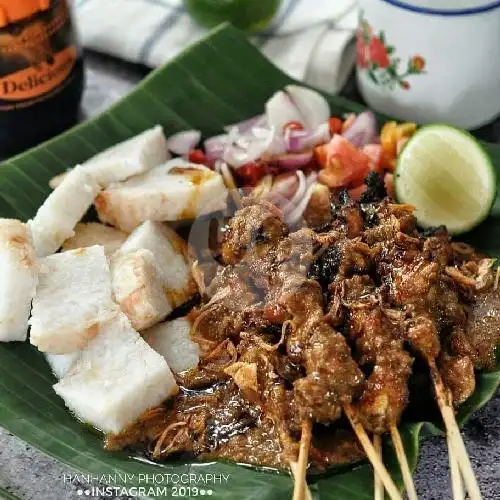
(37, 56)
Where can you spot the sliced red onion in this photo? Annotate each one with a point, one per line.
(299, 140)
(313, 107)
(183, 142)
(248, 148)
(363, 130)
(261, 132)
(295, 215)
(301, 189)
(294, 139)
(294, 161)
(311, 178)
(246, 125)
(277, 146)
(215, 146)
(284, 186)
(280, 110)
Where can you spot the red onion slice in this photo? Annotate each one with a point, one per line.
(215, 146)
(248, 148)
(246, 125)
(284, 186)
(363, 130)
(277, 146)
(295, 215)
(280, 110)
(301, 189)
(311, 178)
(294, 161)
(299, 140)
(183, 142)
(313, 107)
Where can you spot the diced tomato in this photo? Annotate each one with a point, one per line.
(293, 125)
(197, 156)
(321, 155)
(343, 164)
(250, 173)
(374, 151)
(335, 125)
(355, 193)
(389, 185)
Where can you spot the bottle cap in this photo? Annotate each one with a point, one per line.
(15, 10)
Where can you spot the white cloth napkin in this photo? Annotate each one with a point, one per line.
(311, 40)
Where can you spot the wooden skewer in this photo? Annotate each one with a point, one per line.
(294, 469)
(372, 455)
(454, 437)
(378, 487)
(456, 478)
(403, 463)
(497, 278)
(299, 492)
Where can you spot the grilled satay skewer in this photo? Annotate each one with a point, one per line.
(378, 342)
(330, 356)
(413, 270)
(423, 336)
(333, 377)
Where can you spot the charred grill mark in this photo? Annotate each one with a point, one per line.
(326, 267)
(375, 189)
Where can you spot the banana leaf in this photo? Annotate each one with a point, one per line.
(220, 80)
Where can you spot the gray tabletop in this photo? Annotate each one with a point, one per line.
(31, 475)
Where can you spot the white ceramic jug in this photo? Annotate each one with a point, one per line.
(431, 60)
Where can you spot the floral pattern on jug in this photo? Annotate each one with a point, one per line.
(379, 59)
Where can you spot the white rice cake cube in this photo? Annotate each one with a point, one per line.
(116, 379)
(62, 210)
(18, 281)
(94, 233)
(131, 157)
(61, 363)
(138, 288)
(170, 192)
(172, 340)
(171, 254)
(73, 298)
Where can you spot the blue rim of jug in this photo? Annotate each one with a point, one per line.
(444, 12)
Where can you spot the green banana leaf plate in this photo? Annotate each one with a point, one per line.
(220, 80)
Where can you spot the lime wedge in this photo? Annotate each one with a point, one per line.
(447, 175)
(248, 15)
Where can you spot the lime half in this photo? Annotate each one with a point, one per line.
(447, 175)
(248, 15)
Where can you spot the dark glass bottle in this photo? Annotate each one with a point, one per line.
(41, 72)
